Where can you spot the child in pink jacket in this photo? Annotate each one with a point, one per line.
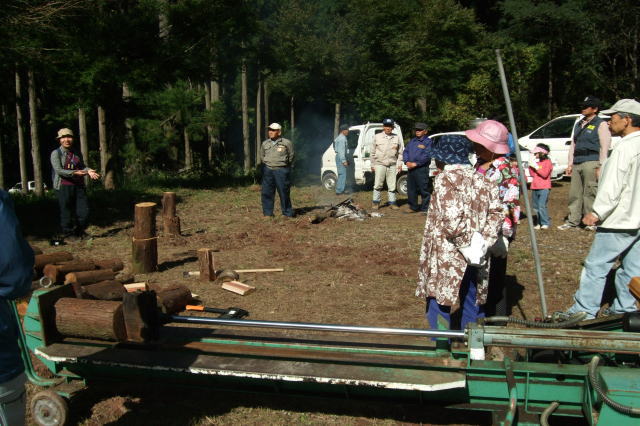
(540, 168)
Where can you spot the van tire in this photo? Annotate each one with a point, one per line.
(401, 184)
(329, 180)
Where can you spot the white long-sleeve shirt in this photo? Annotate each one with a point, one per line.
(617, 203)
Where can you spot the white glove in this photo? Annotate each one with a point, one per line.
(500, 247)
(475, 252)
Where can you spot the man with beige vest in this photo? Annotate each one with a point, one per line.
(386, 162)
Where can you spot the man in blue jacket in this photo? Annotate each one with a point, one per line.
(16, 271)
(416, 159)
(342, 159)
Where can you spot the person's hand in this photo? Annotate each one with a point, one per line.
(411, 165)
(93, 174)
(590, 219)
(568, 171)
(80, 172)
(345, 163)
(597, 173)
(373, 169)
(399, 168)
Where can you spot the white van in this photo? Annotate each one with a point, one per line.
(359, 143)
(558, 134)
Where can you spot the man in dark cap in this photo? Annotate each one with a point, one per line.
(416, 158)
(342, 159)
(589, 148)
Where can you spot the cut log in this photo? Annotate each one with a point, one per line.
(57, 272)
(114, 264)
(36, 250)
(89, 277)
(94, 319)
(634, 287)
(170, 222)
(173, 299)
(145, 244)
(141, 286)
(104, 290)
(238, 287)
(207, 264)
(41, 260)
(140, 311)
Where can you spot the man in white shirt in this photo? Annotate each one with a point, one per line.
(616, 212)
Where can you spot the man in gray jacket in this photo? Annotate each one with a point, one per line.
(277, 158)
(69, 171)
(386, 162)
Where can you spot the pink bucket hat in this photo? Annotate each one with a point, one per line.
(490, 134)
(539, 149)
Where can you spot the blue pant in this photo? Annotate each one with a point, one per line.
(342, 176)
(418, 184)
(540, 198)
(276, 179)
(607, 246)
(439, 316)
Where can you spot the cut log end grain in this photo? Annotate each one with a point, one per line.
(93, 319)
(238, 287)
(57, 272)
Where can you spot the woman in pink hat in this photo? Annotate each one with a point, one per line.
(492, 150)
(540, 169)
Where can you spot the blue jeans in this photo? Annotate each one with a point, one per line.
(418, 184)
(342, 176)
(439, 316)
(607, 246)
(276, 179)
(540, 198)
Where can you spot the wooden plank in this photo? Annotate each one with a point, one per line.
(238, 287)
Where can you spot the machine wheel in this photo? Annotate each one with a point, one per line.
(401, 185)
(49, 409)
(329, 180)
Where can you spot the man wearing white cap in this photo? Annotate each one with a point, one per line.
(277, 158)
(69, 171)
(616, 212)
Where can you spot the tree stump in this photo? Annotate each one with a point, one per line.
(206, 264)
(145, 243)
(170, 222)
(114, 264)
(56, 272)
(89, 277)
(41, 260)
(103, 290)
(94, 319)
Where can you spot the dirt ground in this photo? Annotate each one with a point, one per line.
(344, 272)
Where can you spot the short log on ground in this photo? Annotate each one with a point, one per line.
(93, 319)
(145, 243)
(41, 260)
(114, 264)
(89, 277)
(103, 290)
(141, 316)
(56, 272)
(173, 299)
(207, 264)
(170, 222)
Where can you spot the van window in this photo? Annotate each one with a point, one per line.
(352, 139)
(368, 140)
(560, 128)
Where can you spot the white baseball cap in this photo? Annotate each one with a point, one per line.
(630, 106)
(275, 126)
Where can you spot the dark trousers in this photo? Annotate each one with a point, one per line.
(280, 180)
(418, 184)
(73, 199)
(497, 294)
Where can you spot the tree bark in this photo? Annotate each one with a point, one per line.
(94, 319)
(103, 290)
(336, 120)
(22, 150)
(207, 265)
(245, 120)
(259, 135)
(207, 107)
(188, 156)
(173, 299)
(145, 243)
(41, 260)
(421, 103)
(56, 272)
(84, 143)
(89, 277)
(293, 117)
(113, 264)
(266, 104)
(105, 155)
(35, 141)
(170, 222)
(215, 98)
(3, 139)
(140, 310)
(550, 90)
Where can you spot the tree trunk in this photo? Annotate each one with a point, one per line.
(336, 120)
(35, 141)
(97, 319)
(266, 104)
(163, 21)
(3, 139)
(550, 90)
(188, 156)
(207, 107)
(293, 117)
(170, 222)
(22, 150)
(245, 120)
(145, 243)
(421, 103)
(259, 135)
(105, 155)
(128, 122)
(84, 143)
(215, 98)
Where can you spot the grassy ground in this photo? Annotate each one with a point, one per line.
(342, 272)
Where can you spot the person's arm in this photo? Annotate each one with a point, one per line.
(291, 153)
(604, 134)
(16, 256)
(341, 148)
(400, 154)
(405, 154)
(611, 185)
(374, 150)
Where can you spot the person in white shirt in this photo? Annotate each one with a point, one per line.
(616, 212)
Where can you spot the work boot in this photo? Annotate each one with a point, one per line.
(375, 206)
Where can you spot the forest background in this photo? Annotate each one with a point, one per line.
(184, 89)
